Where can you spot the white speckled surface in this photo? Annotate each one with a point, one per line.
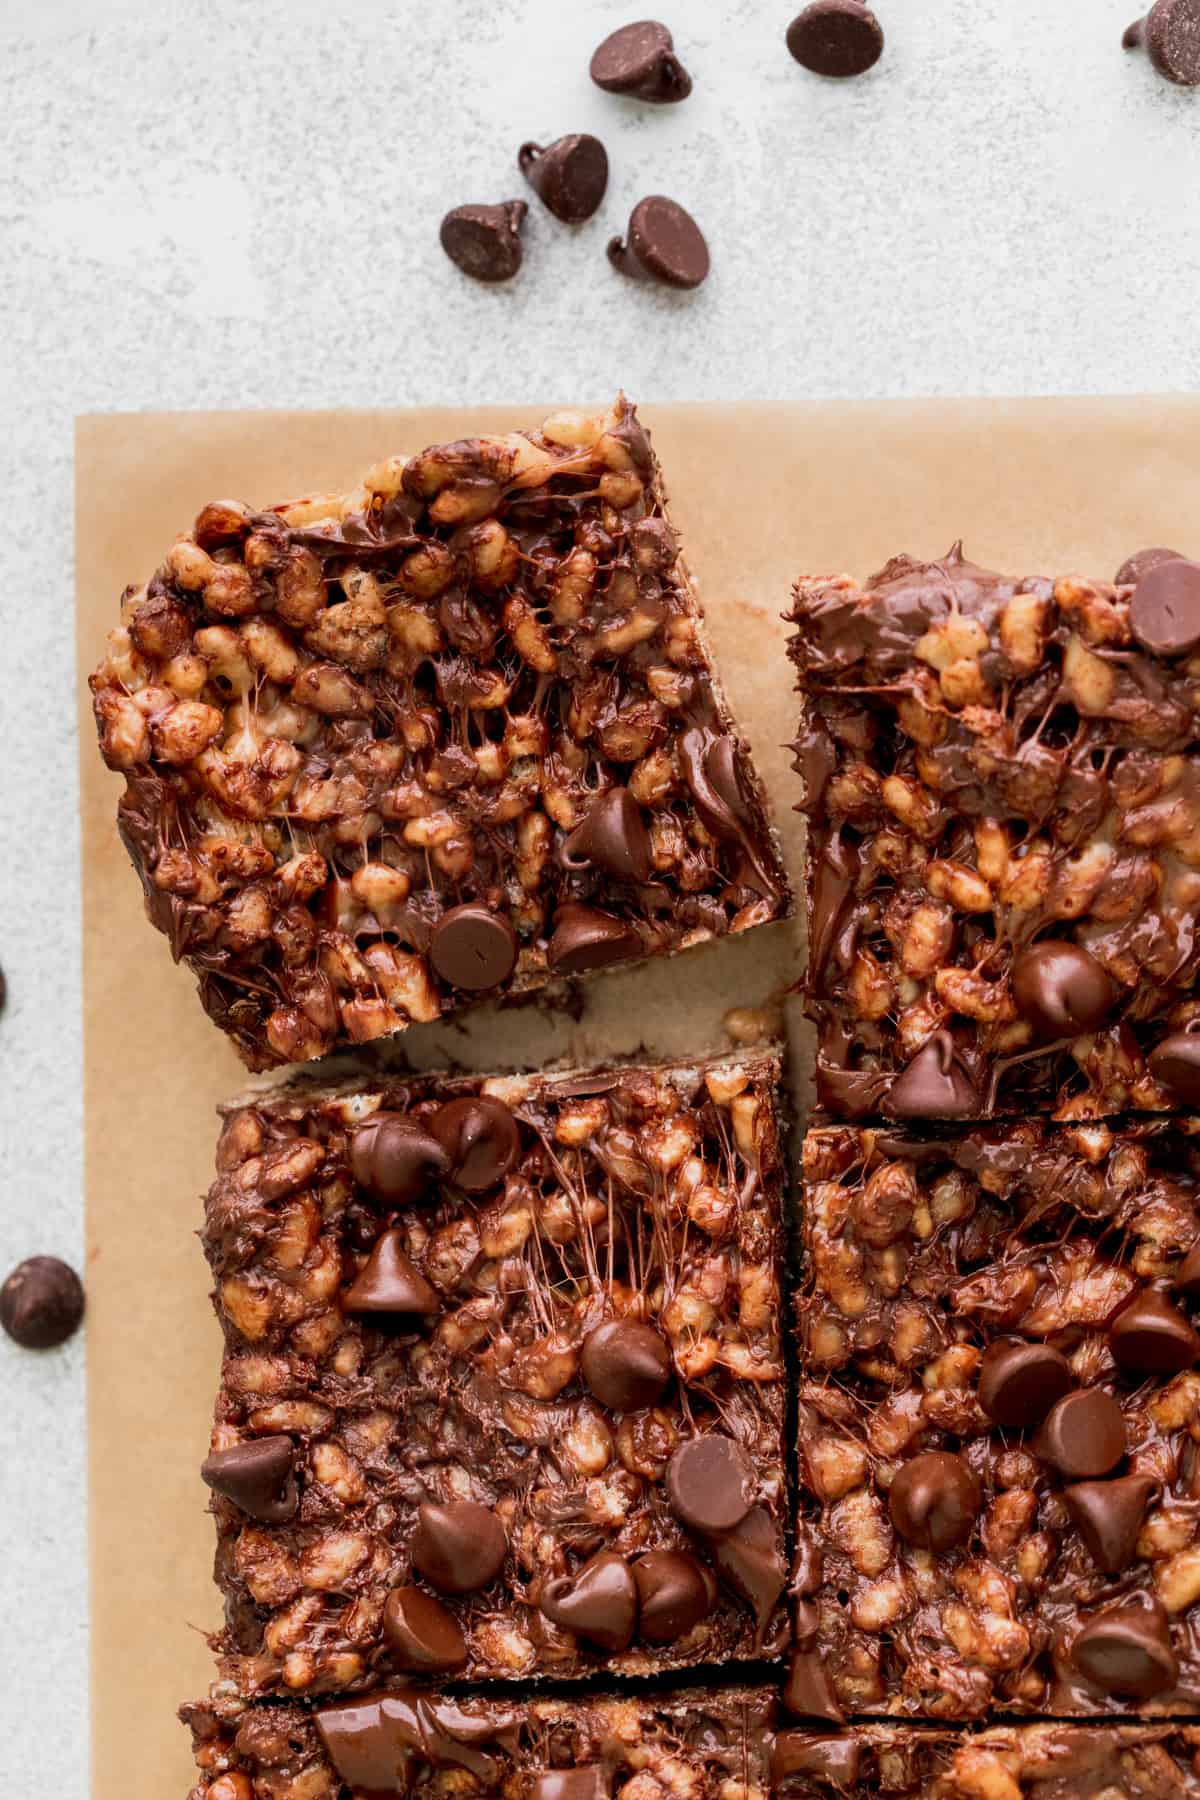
(235, 202)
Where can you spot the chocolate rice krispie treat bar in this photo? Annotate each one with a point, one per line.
(999, 1438)
(404, 1741)
(723, 1744)
(453, 734)
(502, 1392)
(1002, 788)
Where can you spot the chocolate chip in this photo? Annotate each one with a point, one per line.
(808, 1692)
(41, 1303)
(1140, 563)
(834, 1762)
(626, 1364)
(1109, 1515)
(598, 1603)
(1152, 1337)
(710, 1483)
(485, 241)
(1083, 1434)
(662, 243)
(1187, 1275)
(836, 37)
(3, 990)
(1127, 1650)
(361, 1746)
(1060, 989)
(935, 1500)
(1019, 1382)
(1164, 610)
(1171, 35)
(390, 1282)
(934, 1085)
(613, 836)
(1175, 1061)
(751, 1561)
(459, 1547)
(583, 938)
(421, 1633)
(481, 1138)
(570, 175)
(591, 1782)
(640, 60)
(258, 1476)
(396, 1159)
(473, 948)
(674, 1593)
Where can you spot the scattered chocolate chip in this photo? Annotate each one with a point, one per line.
(396, 1159)
(1109, 1515)
(613, 836)
(258, 1476)
(1019, 1382)
(710, 1483)
(482, 1139)
(1127, 1650)
(485, 241)
(41, 1303)
(1152, 1337)
(598, 1603)
(1187, 1275)
(421, 1633)
(390, 1282)
(640, 60)
(1170, 33)
(1083, 1434)
(570, 175)
(934, 1085)
(674, 1593)
(1176, 1063)
(834, 1762)
(935, 1500)
(583, 938)
(3, 990)
(626, 1364)
(1060, 989)
(1164, 609)
(459, 1547)
(808, 1692)
(1141, 562)
(836, 37)
(591, 1782)
(662, 243)
(473, 948)
(751, 1561)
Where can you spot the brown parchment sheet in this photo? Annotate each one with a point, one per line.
(760, 494)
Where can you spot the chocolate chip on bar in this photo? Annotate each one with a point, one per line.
(1002, 788)
(502, 1394)
(421, 1745)
(998, 1398)
(454, 734)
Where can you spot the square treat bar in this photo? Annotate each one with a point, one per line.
(1002, 785)
(502, 1393)
(453, 734)
(1000, 1421)
(426, 1746)
(1022, 1762)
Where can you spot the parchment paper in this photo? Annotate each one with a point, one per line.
(760, 494)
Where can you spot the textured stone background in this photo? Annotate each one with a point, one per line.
(220, 203)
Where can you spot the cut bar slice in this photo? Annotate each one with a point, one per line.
(421, 1745)
(502, 1393)
(456, 733)
(1025, 1762)
(998, 1419)
(1002, 786)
